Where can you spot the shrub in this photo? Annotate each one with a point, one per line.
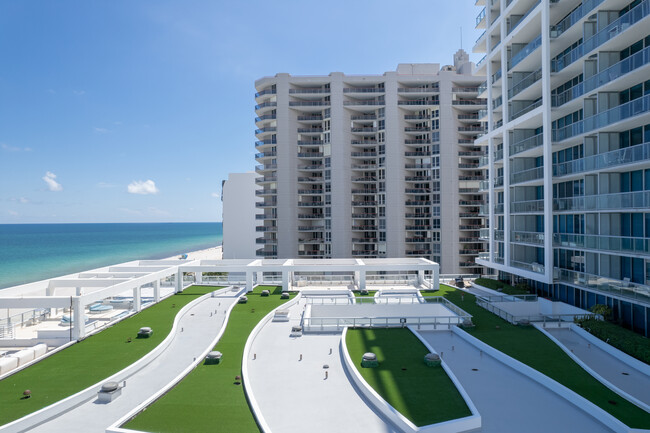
(623, 339)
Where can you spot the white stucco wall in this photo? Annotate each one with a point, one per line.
(239, 216)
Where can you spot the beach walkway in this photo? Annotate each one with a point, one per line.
(293, 394)
(507, 400)
(196, 331)
(620, 374)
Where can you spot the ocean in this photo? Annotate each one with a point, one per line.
(33, 252)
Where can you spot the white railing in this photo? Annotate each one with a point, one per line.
(538, 317)
(335, 324)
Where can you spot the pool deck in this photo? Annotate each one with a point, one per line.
(635, 382)
(507, 400)
(196, 331)
(293, 394)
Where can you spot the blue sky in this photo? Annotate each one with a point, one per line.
(134, 111)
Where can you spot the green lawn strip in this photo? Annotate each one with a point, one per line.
(531, 347)
(207, 400)
(444, 289)
(370, 294)
(91, 360)
(424, 395)
(506, 289)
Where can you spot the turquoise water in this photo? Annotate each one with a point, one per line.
(33, 252)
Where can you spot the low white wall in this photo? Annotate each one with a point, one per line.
(115, 427)
(593, 373)
(43, 415)
(255, 407)
(564, 392)
(466, 424)
(624, 357)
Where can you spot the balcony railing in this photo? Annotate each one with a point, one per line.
(308, 91)
(635, 15)
(525, 82)
(623, 244)
(480, 16)
(527, 237)
(534, 173)
(309, 103)
(523, 17)
(609, 286)
(265, 92)
(527, 206)
(526, 144)
(628, 155)
(533, 267)
(525, 51)
(618, 200)
(606, 118)
(575, 16)
(363, 90)
(526, 109)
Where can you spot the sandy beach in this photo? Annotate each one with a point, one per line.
(213, 253)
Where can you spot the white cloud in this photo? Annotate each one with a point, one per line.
(157, 212)
(52, 184)
(130, 211)
(215, 195)
(13, 213)
(79, 92)
(101, 130)
(143, 187)
(8, 148)
(105, 185)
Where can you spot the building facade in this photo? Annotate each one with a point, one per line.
(372, 165)
(239, 197)
(569, 149)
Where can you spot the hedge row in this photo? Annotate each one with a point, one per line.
(623, 339)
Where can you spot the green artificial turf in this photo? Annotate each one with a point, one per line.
(424, 395)
(370, 294)
(531, 347)
(506, 289)
(207, 400)
(91, 360)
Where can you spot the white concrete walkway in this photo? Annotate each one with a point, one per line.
(620, 374)
(294, 395)
(507, 400)
(196, 330)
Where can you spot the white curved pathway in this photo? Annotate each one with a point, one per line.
(196, 331)
(293, 394)
(508, 401)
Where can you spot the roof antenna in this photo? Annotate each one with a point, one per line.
(461, 37)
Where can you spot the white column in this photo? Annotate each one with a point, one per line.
(77, 291)
(260, 277)
(547, 144)
(249, 281)
(156, 291)
(285, 281)
(198, 277)
(362, 280)
(179, 281)
(137, 300)
(79, 326)
(436, 278)
(420, 277)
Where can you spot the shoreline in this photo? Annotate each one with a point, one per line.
(212, 253)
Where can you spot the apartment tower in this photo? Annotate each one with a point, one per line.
(569, 149)
(372, 165)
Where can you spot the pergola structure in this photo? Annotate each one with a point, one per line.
(78, 291)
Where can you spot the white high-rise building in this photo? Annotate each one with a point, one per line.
(372, 165)
(239, 197)
(569, 149)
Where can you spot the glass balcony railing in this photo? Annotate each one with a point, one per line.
(575, 16)
(628, 155)
(607, 117)
(527, 175)
(609, 286)
(498, 155)
(525, 51)
(533, 267)
(527, 237)
(523, 17)
(612, 30)
(623, 244)
(480, 16)
(618, 200)
(498, 235)
(527, 109)
(527, 206)
(525, 83)
(526, 144)
(614, 72)
(498, 208)
(496, 76)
